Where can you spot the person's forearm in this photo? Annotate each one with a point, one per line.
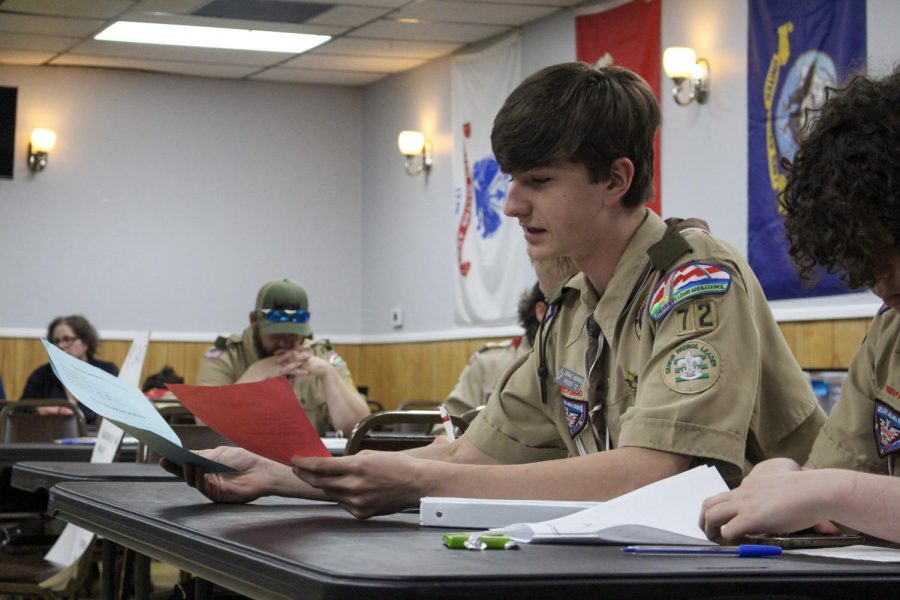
(861, 501)
(457, 451)
(345, 406)
(599, 476)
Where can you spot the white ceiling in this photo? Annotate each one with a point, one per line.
(371, 38)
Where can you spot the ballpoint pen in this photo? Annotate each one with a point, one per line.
(742, 551)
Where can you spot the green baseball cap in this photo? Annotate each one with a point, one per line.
(282, 307)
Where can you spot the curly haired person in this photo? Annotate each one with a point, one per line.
(841, 212)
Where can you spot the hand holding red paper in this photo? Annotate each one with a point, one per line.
(264, 417)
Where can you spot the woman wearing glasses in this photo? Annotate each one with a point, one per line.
(75, 336)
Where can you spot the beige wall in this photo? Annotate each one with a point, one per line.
(395, 373)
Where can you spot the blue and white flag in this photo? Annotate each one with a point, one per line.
(796, 50)
(491, 267)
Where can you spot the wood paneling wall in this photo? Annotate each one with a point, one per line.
(395, 373)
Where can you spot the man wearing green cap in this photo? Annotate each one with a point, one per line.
(275, 345)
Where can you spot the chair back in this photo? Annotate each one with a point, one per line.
(193, 437)
(20, 422)
(364, 438)
(470, 414)
(374, 405)
(419, 405)
(175, 413)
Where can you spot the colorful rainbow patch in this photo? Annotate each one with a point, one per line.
(686, 282)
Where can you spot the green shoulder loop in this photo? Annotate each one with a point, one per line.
(673, 245)
(323, 342)
(221, 342)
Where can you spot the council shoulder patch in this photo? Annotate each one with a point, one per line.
(691, 368)
(887, 429)
(686, 282)
(576, 415)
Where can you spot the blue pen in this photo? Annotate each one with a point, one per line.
(742, 550)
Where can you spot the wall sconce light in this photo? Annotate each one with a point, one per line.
(42, 142)
(417, 151)
(689, 73)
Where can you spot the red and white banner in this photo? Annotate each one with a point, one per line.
(491, 267)
(627, 36)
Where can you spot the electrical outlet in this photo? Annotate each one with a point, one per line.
(397, 317)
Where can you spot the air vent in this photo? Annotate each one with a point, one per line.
(273, 11)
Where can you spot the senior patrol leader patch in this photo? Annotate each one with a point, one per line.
(576, 415)
(691, 368)
(688, 281)
(887, 429)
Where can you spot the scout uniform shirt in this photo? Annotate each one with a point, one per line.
(477, 380)
(690, 361)
(863, 431)
(226, 362)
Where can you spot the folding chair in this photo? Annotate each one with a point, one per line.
(364, 438)
(20, 422)
(33, 576)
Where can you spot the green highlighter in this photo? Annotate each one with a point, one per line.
(484, 540)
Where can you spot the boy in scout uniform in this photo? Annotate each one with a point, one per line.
(660, 355)
(841, 210)
(274, 345)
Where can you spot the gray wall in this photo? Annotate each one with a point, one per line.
(169, 200)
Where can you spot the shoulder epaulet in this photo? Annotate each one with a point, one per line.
(221, 342)
(557, 292)
(673, 244)
(495, 346)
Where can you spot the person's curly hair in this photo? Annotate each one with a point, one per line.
(82, 328)
(841, 205)
(527, 320)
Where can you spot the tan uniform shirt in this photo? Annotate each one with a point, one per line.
(224, 366)
(863, 431)
(692, 363)
(477, 380)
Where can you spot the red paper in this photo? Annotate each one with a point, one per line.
(264, 417)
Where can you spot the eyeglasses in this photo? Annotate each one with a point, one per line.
(283, 315)
(66, 339)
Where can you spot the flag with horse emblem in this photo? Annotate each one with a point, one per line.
(797, 50)
(491, 266)
(627, 36)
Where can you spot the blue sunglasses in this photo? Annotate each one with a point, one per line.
(285, 315)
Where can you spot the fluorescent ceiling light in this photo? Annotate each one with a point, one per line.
(210, 37)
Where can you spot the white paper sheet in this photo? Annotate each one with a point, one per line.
(664, 512)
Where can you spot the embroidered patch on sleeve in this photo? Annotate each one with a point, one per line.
(686, 282)
(336, 360)
(887, 429)
(697, 316)
(691, 368)
(213, 353)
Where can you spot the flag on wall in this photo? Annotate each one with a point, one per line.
(796, 50)
(628, 36)
(491, 268)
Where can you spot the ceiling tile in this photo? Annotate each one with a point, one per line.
(175, 7)
(349, 16)
(488, 13)
(441, 32)
(379, 3)
(183, 68)
(373, 64)
(49, 25)
(320, 77)
(102, 9)
(43, 43)
(391, 48)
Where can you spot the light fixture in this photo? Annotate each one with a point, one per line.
(42, 142)
(689, 73)
(417, 151)
(210, 37)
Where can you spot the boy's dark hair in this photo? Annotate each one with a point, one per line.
(82, 328)
(527, 319)
(841, 204)
(578, 113)
(159, 379)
